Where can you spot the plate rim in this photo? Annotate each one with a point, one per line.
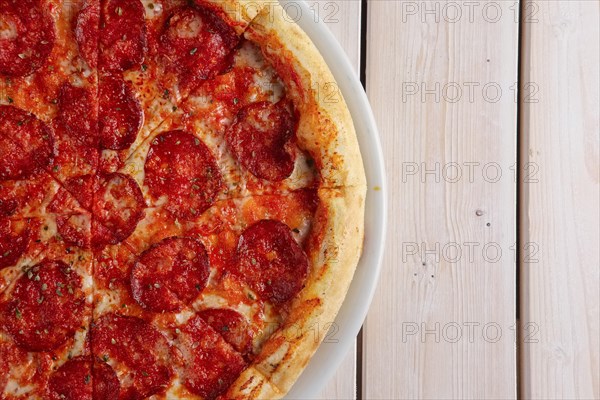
(353, 311)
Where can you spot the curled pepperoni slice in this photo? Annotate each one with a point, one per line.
(170, 274)
(261, 138)
(271, 261)
(134, 346)
(45, 307)
(86, 31)
(78, 113)
(78, 380)
(14, 238)
(196, 44)
(117, 209)
(206, 363)
(232, 326)
(121, 115)
(26, 144)
(182, 168)
(26, 37)
(123, 42)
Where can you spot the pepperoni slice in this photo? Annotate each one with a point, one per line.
(121, 115)
(71, 205)
(117, 209)
(75, 196)
(271, 261)
(196, 44)
(45, 308)
(19, 368)
(15, 163)
(138, 349)
(114, 201)
(123, 42)
(170, 274)
(14, 238)
(181, 167)
(25, 197)
(206, 363)
(117, 37)
(106, 384)
(73, 158)
(86, 31)
(26, 143)
(76, 128)
(26, 37)
(78, 113)
(78, 380)
(231, 325)
(75, 229)
(261, 139)
(9, 205)
(73, 380)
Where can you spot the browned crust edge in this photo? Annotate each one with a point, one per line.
(335, 248)
(325, 126)
(327, 132)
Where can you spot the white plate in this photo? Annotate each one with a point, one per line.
(354, 310)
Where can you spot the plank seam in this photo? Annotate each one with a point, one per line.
(363, 79)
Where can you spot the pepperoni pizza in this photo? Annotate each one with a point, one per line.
(181, 199)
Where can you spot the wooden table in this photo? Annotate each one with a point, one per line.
(488, 113)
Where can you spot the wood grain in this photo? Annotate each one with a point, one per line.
(343, 17)
(442, 323)
(560, 189)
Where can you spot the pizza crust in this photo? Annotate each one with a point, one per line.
(327, 132)
(251, 384)
(334, 249)
(325, 128)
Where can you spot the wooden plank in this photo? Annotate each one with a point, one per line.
(560, 190)
(343, 384)
(442, 322)
(343, 17)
